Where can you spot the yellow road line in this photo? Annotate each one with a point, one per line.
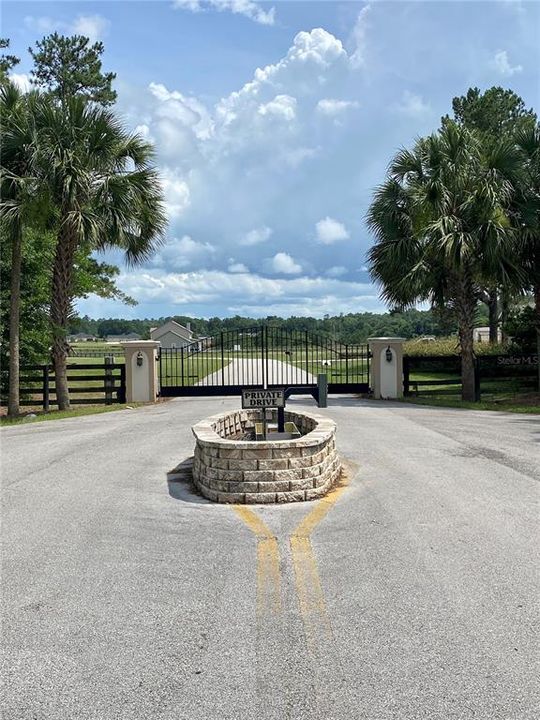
(311, 602)
(268, 573)
(323, 507)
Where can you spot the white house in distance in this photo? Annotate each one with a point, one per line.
(172, 334)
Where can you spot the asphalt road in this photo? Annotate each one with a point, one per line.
(412, 593)
(249, 371)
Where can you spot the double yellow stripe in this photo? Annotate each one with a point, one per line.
(311, 602)
(268, 574)
(317, 628)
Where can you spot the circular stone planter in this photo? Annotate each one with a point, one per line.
(227, 470)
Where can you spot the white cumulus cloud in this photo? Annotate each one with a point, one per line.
(336, 271)
(248, 8)
(329, 231)
(256, 236)
(283, 106)
(179, 253)
(502, 64)
(176, 191)
(236, 267)
(282, 262)
(247, 293)
(333, 108)
(94, 27)
(227, 168)
(21, 80)
(359, 36)
(413, 105)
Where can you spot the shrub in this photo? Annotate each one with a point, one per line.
(448, 346)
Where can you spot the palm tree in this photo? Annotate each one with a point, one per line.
(527, 208)
(19, 194)
(441, 228)
(105, 193)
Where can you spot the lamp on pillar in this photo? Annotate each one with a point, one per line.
(386, 367)
(140, 370)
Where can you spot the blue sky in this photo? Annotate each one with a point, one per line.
(273, 122)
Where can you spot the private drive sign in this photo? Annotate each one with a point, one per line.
(252, 399)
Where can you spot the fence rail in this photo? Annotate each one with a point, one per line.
(520, 370)
(105, 382)
(97, 353)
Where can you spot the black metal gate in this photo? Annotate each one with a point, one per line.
(263, 356)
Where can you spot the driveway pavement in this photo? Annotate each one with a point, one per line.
(411, 593)
(249, 371)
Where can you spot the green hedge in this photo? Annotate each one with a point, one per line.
(448, 346)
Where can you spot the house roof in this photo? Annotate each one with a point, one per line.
(171, 326)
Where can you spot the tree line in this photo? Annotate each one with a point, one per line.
(73, 181)
(456, 221)
(351, 328)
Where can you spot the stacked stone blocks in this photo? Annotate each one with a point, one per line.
(227, 470)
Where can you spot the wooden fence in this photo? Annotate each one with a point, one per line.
(519, 371)
(89, 384)
(97, 353)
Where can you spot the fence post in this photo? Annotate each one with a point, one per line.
(46, 391)
(477, 392)
(121, 394)
(406, 376)
(222, 361)
(307, 356)
(109, 362)
(322, 384)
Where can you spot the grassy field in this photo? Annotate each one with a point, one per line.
(511, 395)
(194, 368)
(41, 416)
(528, 403)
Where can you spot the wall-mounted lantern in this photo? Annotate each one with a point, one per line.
(139, 359)
(388, 354)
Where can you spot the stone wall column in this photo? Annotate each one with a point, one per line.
(386, 367)
(141, 370)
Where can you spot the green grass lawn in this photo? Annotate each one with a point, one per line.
(193, 369)
(339, 370)
(516, 404)
(61, 414)
(510, 395)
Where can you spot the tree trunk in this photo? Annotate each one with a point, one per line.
(465, 303)
(493, 316)
(505, 305)
(14, 321)
(61, 310)
(537, 324)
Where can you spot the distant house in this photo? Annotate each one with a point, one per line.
(122, 338)
(481, 334)
(172, 335)
(81, 337)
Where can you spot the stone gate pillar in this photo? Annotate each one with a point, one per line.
(141, 370)
(386, 367)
